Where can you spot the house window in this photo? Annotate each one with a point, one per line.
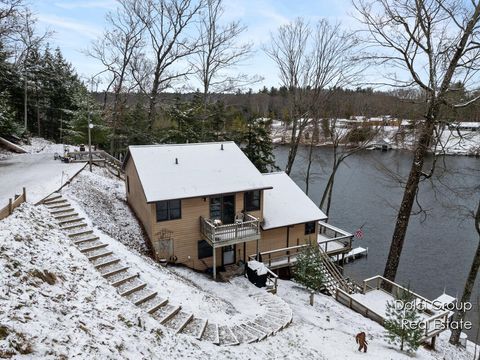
(205, 250)
(169, 210)
(252, 200)
(310, 228)
(128, 184)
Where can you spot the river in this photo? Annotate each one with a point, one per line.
(438, 248)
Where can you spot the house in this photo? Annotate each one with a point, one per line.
(206, 205)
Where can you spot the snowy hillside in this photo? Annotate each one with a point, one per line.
(53, 304)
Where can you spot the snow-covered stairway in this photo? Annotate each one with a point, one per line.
(277, 314)
(333, 279)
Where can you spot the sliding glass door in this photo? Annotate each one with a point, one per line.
(223, 208)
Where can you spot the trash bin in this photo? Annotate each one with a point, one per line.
(257, 273)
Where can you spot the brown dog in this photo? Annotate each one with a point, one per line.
(362, 341)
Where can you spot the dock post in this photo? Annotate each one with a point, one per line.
(214, 263)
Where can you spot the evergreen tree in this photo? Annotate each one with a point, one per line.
(8, 125)
(402, 321)
(254, 139)
(308, 268)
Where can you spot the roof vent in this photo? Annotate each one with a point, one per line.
(176, 161)
(221, 147)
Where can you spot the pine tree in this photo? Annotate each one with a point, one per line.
(402, 321)
(308, 268)
(8, 125)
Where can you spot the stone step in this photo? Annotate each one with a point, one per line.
(145, 298)
(58, 206)
(64, 216)
(126, 277)
(52, 197)
(254, 331)
(79, 233)
(93, 247)
(168, 315)
(99, 254)
(62, 211)
(55, 203)
(226, 336)
(109, 271)
(71, 220)
(194, 327)
(133, 289)
(269, 325)
(211, 334)
(242, 335)
(154, 305)
(106, 263)
(184, 323)
(179, 321)
(73, 226)
(260, 328)
(85, 239)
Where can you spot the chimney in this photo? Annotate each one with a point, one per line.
(176, 161)
(221, 147)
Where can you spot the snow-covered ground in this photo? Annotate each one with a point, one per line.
(452, 142)
(38, 172)
(323, 331)
(78, 315)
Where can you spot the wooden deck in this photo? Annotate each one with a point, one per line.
(373, 299)
(229, 234)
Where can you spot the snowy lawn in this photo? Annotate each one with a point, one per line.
(47, 317)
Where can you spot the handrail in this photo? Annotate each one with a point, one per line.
(333, 270)
(13, 204)
(334, 228)
(238, 230)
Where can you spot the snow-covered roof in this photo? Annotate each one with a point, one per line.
(286, 204)
(203, 169)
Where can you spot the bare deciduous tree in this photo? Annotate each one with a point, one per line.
(288, 49)
(117, 50)
(428, 44)
(219, 51)
(167, 23)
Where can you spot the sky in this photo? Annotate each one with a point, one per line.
(76, 23)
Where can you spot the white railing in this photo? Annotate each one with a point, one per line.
(330, 234)
(279, 257)
(249, 229)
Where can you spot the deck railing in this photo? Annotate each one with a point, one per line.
(279, 257)
(435, 323)
(221, 235)
(333, 234)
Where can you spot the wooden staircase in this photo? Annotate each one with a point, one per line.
(128, 283)
(333, 279)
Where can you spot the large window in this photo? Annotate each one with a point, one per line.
(169, 210)
(310, 228)
(204, 249)
(252, 200)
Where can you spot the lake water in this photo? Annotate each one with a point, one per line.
(438, 250)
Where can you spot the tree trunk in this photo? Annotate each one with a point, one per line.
(409, 194)
(467, 290)
(153, 97)
(309, 166)
(292, 152)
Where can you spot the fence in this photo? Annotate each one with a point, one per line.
(13, 204)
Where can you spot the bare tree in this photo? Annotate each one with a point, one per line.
(288, 49)
(428, 44)
(219, 51)
(9, 11)
(117, 49)
(167, 23)
(29, 40)
(459, 314)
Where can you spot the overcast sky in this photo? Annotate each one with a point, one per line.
(77, 22)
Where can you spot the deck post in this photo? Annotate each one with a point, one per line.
(432, 344)
(214, 263)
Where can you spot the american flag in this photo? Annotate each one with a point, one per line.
(359, 233)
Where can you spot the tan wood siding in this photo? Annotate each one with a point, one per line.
(136, 197)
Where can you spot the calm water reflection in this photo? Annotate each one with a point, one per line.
(438, 251)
